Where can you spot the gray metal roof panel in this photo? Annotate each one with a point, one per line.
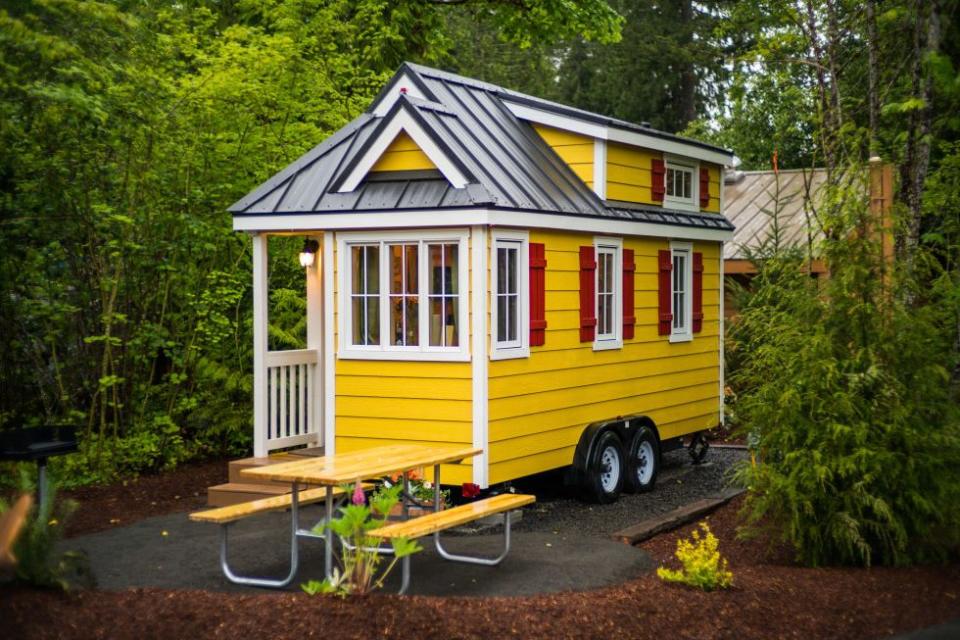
(300, 163)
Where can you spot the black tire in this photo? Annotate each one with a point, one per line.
(605, 469)
(643, 461)
(699, 446)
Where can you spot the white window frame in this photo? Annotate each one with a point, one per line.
(684, 333)
(683, 204)
(386, 351)
(519, 348)
(613, 340)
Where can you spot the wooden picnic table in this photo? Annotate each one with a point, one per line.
(366, 464)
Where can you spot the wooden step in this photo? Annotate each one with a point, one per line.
(223, 495)
(236, 466)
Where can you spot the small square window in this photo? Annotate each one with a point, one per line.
(680, 188)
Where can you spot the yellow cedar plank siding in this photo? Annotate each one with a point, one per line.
(403, 154)
(538, 406)
(714, 206)
(574, 149)
(629, 175)
(381, 402)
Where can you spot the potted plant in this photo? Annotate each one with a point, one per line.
(420, 490)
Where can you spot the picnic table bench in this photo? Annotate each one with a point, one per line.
(336, 471)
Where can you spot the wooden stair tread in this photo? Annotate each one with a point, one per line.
(251, 487)
(242, 510)
(449, 518)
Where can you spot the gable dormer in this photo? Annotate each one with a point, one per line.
(403, 141)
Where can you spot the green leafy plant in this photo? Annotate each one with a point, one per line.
(702, 566)
(38, 562)
(360, 570)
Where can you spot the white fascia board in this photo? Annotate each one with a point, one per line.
(600, 168)
(403, 121)
(614, 134)
(551, 119)
(468, 217)
(403, 82)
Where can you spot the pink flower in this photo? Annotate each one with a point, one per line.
(358, 497)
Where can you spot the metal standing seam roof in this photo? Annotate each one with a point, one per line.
(509, 166)
(752, 198)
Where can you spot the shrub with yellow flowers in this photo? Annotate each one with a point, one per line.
(702, 566)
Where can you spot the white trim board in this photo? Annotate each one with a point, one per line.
(403, 121)
(605, 132)
(329, 352)
(415, 218)
(403, 82)
(480, 383)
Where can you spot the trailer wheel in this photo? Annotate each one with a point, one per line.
(698, 448)
(643, 461)
(605, 469)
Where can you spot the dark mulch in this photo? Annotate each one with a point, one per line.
(126, 502)
(767, 601)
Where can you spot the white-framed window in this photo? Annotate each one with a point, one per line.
(680, 184)
(609, 293)
(403, 295)
(510, 295)
(681, 287)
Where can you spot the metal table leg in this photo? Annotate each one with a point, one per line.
(328, 544)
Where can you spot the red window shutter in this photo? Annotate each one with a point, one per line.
(588, 299)
(665, 318)
(629, 319)
(538, 307)
(704, 187)
(697, 292)
(657, 173)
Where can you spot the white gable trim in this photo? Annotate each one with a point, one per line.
(604, 132)
(403, 121)
(600, 168)
(466, 217)
(403, 82)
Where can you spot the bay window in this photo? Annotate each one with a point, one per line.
(405, 297)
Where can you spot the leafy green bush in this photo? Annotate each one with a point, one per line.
(847, 384)
(702, 566)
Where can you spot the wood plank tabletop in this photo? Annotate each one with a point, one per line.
(365, 464)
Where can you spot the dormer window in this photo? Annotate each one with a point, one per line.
(680, 187)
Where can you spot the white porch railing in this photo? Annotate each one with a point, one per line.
(293, 402)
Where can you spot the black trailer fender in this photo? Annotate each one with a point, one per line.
(623, 426)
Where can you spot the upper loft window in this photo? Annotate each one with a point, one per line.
(680, 185)
(405, 297)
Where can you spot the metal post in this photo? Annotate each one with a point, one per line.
(328, 544)
(42, 491)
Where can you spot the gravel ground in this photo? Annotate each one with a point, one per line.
(560, 511)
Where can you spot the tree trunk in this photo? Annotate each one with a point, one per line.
(687, 107)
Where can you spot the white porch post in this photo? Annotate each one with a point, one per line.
(327, 356)
(314, 274)
(260, 319)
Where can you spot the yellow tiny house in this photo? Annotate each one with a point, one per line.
(493, 269)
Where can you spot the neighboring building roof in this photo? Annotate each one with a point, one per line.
(755, 200)
(505, 163)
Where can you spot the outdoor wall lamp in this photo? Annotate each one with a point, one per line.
(309, 252)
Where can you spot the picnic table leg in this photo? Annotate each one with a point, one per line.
(294, 551)
(328, 544)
